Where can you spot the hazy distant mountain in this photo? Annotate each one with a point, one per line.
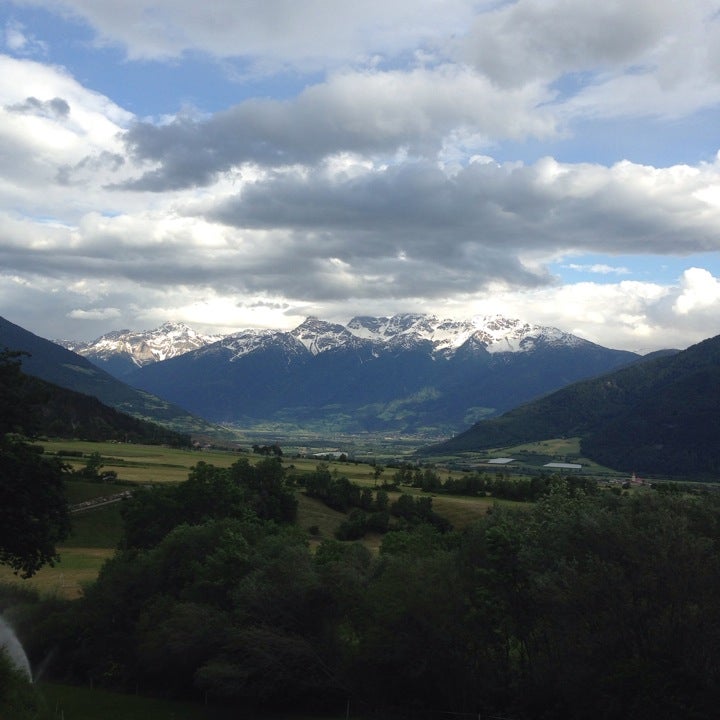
(408, 373)
(661, 415)
(122, 351)
(62, 367)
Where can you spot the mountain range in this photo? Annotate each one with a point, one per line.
(415, 373)
(411, 373)
(661, 415)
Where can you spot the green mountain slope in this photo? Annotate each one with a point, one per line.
(59, 366)
(41, 408)
(657, 416)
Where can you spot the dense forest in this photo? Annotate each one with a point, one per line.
(582, 606)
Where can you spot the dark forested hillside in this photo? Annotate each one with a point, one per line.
(32, 406)
(659, 416)
(55, 364)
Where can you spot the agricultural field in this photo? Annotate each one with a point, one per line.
(93, 540)
(96, 532)
(77, 568)
(529, 458)
(139, 463)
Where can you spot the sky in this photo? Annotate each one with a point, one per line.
(247, 163)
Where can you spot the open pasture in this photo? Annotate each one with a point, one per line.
(77, 568)
(314, 513)
(462, 511)
(140, 463)
(158, 464)
(92, 541)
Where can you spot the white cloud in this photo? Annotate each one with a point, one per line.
(545, 39)
(56, 134)
(373, 189)
(599, 269)
(630, 315)
(15, 39)
(18, 41)
(699, 293)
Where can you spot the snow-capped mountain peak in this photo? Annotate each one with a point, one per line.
(412, 327)
(501, 334)
(167, 341)
(495, 333)
(252, 340)
(319, 336)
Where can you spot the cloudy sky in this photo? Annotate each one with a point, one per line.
(246, 163)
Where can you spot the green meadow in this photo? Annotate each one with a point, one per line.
(96, 532)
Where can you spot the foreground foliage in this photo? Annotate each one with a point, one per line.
(33, 510)
(600, 606)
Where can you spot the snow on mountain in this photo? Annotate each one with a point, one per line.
(408, 329)
(499, 334)
(167, 341)
(319, 336)
(494, 333)
(439, 336)
(249, 341)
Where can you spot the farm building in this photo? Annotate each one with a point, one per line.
(563, 466)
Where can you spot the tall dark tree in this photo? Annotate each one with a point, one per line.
(14, 415)
(34, 514)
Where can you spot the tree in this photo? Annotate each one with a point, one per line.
(267, 492)
(34, 514)
(14, 416)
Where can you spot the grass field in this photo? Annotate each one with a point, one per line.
(529, 458)
(154, 463)
(78, 567)
(95, 533)
(140, 463)
(98, 528)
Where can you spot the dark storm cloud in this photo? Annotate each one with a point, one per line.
(364, 114)
(265, 132)
(419, 210)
